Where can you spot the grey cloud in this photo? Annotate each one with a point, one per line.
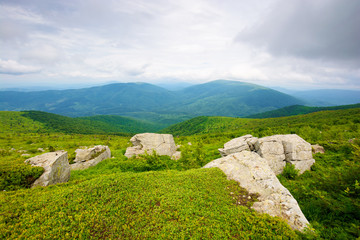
(323, 29)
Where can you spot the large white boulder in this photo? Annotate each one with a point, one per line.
(89, 157)
(276, 149)
(254, 174)
(163, 144)
(56, 168)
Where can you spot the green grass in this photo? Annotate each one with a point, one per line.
(196, 204)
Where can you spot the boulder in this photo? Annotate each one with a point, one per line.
(254, 174)
(56, 168)
(244, 143)
(317, 149)
(89, 157)
(163, 144)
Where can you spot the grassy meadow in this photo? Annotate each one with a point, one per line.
(154, 197)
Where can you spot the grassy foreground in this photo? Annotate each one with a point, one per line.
(193, 204)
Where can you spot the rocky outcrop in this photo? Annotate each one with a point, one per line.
(163, 144)
(317, 149)
(56, 168)
(277, 150)
(89, 157)
(254, 174)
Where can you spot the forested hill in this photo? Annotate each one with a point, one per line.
(42, 122)
(298, 110)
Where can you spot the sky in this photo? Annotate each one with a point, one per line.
(297, 44)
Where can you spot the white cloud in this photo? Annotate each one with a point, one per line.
(15, 68)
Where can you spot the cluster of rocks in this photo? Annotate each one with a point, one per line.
(162, 144)
(277, 150)
(255, 162)
(56, 164)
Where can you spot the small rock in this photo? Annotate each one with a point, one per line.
(41, 150)
(176, 155)
(317, 149)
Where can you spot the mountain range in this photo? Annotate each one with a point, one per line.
(153, 103)
(150, 102)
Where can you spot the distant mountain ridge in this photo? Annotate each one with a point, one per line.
(299, 110)
(150, 102)
(326, 97)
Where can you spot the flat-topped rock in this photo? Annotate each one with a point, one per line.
(254, 174)
(56, 168)
(163, 144)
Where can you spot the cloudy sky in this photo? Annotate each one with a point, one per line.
(297, 44)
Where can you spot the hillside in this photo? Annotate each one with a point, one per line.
(40, 122)
(298, 110)
(137, 198)
(165, 205)
(150, 102)
(324, 121)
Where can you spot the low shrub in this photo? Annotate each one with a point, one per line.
(290, 172)
(19, 176)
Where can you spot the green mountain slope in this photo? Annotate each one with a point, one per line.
(137, 198)
(324, 119)
(298, 110)
(152, 103)
(37, 121)
(231, 98)
(162, 205)
(109, 99)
